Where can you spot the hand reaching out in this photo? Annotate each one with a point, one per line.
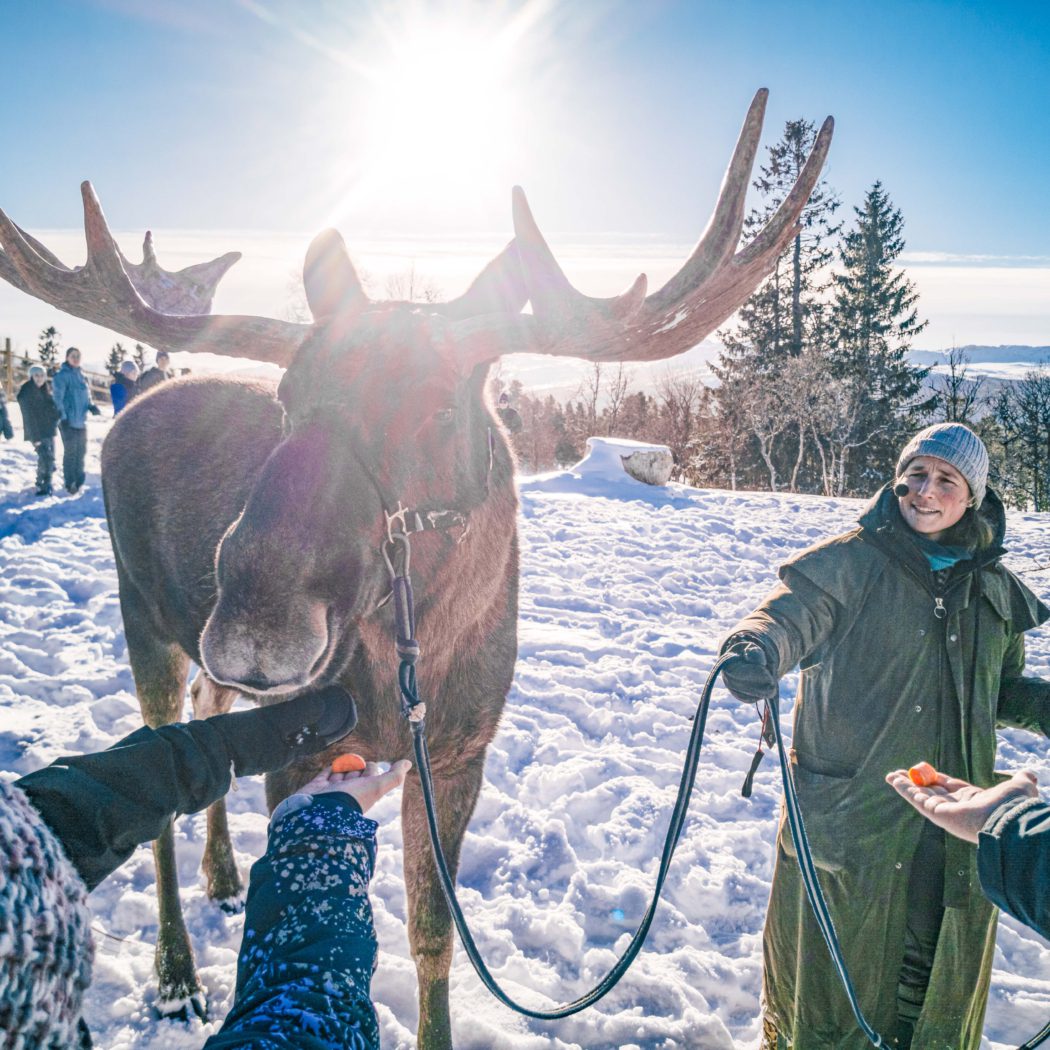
(958, 806)
(368, 785)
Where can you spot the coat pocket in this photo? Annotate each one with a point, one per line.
(829, 812)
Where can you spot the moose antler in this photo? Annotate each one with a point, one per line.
(169, 311)
(709, 288)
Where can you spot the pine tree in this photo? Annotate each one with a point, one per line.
(874, 321)
(117, 354)
(138, 355)
(47, 349)
(777, 324)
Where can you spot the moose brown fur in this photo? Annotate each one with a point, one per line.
(248, 529)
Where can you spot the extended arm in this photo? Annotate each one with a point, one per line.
(102, 806)
(1024, 701)
(305, 967)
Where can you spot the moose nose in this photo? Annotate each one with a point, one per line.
(263, 653)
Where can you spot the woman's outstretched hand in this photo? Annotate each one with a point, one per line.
(958, 806)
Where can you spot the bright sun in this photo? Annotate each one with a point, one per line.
(440, 112)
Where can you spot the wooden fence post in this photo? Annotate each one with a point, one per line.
(9, 369)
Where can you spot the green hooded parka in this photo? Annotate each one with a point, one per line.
(897, 665)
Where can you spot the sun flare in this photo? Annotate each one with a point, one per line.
(439, 110)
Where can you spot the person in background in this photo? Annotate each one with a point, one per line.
(40, 424)
(510, 417)
(1010, 825)
(157, 374)
(72, 394)
(5, 420)
(308, 928)
(910, 636)
(125, 385)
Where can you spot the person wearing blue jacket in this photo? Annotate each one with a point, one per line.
(72, 394)
(125, 386)
(1010, 825)
(308, 951)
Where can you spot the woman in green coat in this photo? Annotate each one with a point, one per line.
(909, 634)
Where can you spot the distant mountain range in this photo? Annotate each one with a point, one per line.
(996, 363)
(565, 377)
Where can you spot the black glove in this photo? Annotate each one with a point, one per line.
(94, 410)
(747, 675)
(9, 431)
(269, 738)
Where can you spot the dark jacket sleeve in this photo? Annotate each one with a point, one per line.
(1013, 861)
(1024, 701)
(793, 621)
(305, 967)
(102, 806)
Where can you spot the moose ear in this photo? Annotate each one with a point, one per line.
(331, 282)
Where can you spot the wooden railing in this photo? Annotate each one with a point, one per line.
(14, 371)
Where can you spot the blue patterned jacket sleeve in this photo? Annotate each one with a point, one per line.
(305, 967)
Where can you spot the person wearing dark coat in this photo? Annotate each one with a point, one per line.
(125, 386)
(40, 424)
(909, 633)
(64, 828)
(509, 417)
(157, 374)
(6, 429)
(1010, 825)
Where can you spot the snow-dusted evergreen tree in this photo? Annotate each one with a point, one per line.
(117, 354)
(47, 349)
(781, 321)
(874, 321)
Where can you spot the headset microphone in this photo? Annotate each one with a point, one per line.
(901, 489)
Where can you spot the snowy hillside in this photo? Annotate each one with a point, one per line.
(626, 593)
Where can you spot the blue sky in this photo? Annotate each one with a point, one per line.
(618, 118)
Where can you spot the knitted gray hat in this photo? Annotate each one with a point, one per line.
(45, 932)
(37, 368)
(957, 445)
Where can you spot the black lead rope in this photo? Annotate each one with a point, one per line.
(410, 700)
(414, 709)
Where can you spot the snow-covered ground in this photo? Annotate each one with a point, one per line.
(626, 592)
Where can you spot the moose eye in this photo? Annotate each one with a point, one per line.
(444, 415)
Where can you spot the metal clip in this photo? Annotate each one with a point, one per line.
(938, 608)
(402, 539)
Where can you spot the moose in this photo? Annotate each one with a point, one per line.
(248, 523)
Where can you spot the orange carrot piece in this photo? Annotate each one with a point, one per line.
(923, 774)
(348, 763)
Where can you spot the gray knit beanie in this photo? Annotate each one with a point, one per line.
(45, 932)
(957, 445)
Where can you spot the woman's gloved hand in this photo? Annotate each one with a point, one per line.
(747, 674)
(268, 738)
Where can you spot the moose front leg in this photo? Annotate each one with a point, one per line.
(220, 868)
(429, 920)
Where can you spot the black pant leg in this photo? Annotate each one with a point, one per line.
(81, 454)
(45, 462)
(924, 916)
(69, 455)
